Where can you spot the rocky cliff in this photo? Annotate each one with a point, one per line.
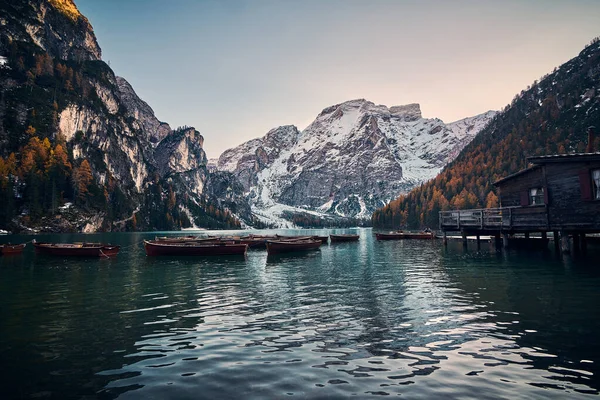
(354, 158)
(121, 164)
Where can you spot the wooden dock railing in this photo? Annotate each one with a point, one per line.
(495, 219)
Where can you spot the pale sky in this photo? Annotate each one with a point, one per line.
(236, 69)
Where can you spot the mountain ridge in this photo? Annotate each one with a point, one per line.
(353, 157)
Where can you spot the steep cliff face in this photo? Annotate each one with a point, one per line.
(122, 167)
(55, 26)
(181, 153)
(353, 158)
(122, 147)
(141, 113)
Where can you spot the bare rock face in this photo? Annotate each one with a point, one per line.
(354, 158)
(180, 152)
(56, 26)
(141, 113)
(255, 155)
(409, 112)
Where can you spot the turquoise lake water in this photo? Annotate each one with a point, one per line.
(364, 319)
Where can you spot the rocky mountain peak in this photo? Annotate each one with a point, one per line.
(408, 112)
(181, 151)
(68, 8)
(246, 160)
(354, 157)
(282, 137)
(56, 26)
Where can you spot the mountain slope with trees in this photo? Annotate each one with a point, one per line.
(549, 117)
(79, 150)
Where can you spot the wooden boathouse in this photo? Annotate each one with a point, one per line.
(557, 193)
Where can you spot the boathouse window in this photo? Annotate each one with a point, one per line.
(596, 184)
(536, 196)
(589, 181)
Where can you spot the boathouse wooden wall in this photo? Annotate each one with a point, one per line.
(513, 191)
(567, 207)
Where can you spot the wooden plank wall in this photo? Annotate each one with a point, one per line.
(567, 207)
(510, 191)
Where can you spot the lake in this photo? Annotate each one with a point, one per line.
(362, 319)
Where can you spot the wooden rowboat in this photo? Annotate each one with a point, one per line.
(343, 238)
(254, 242)
(404, 235)
(7, 249)
(158, 248)
(186, 239)
(288, 246)
(323, 239)
(77, 249)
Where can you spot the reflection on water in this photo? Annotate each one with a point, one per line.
(361, 319)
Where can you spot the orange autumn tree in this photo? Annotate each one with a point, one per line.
(82, 177)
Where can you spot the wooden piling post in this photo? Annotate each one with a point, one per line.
(478, 242)
(498, 240)
(556, 241)
(576, 241)
(445, 239)
(564, 243)
(505, 240)
(464, 239)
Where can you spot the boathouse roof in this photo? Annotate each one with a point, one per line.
(521, 172)
(558, 158)
(538, 161)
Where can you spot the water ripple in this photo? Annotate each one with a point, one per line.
(366, 320)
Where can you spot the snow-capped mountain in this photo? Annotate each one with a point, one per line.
(355, 157)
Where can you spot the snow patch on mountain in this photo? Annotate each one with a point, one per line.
(355, 157)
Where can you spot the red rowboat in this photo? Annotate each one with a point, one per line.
(343, 238)
(158, 248)
(7, 249)
(77, 249)
(287, 246)
(186, 239)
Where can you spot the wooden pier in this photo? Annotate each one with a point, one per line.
(505, 223)
(558, 194)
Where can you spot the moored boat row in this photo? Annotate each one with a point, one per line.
(189, 245)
